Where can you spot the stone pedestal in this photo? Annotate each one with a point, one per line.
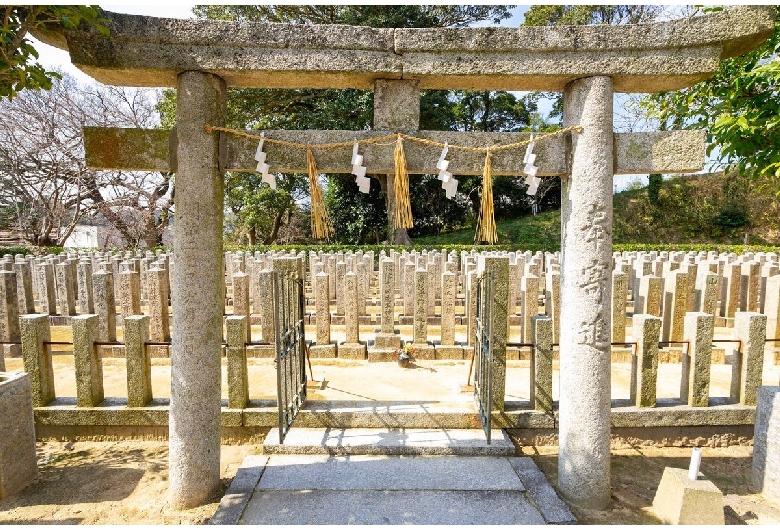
(18, 463)
(680, 500)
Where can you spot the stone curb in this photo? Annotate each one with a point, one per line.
(233, 504)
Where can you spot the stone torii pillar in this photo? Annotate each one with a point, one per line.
(194, 431)
(586, 272)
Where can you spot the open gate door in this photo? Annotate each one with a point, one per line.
(290, 349)
(483, 377)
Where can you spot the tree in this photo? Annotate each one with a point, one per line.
(17, 69)
(43, 175)
(577, 15)
(738, 109)
(342, 109)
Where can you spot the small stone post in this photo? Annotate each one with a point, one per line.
(409, 269)
(748, 365)
(498, 268)
(35, 330)
(541, 364)
(552, 302)
(157, 301)
(749, 286)
(730, 289)
(529, 293)
(105, 306)
(707, 293)
(264, 305)
(696, 363)
(66, 296)
(644, 367)
(448, 293)
(386, 341)
(238, 382)
(241, 298)
(89, 364)
(352, 348)
(675, 304)
(772, 307)
(9, 316)
(648, 299)
(420, 328)
(24, 287)
(619, 297)
(129, 293)
(139, 365)
(85, 287)
(48, 292)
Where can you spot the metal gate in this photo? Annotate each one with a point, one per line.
(483, 377)
(290, 349)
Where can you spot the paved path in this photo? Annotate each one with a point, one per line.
(389, 489)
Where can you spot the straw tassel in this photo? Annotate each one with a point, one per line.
(403, 205)
(486, 223)
(321, 227)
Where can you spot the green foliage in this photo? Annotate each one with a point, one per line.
(378, 16)
(259, 210)
(654, 187)
(18, 67)
(14, 250)
(738, 109)
(357, 218)
(577, 15)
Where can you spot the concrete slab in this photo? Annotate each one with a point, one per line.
(390, 508)
(334, 441)
(372, 489)
(379, 472)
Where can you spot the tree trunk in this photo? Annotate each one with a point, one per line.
(252, 235)
(395, 236)
(275, 230)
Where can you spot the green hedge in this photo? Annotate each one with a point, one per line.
(14, 251)
(620, 247)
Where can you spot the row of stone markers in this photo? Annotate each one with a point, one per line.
(388, 290)
(748, 361)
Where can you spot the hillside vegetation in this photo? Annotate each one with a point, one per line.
(705, 209)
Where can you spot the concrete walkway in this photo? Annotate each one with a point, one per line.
(351, 487)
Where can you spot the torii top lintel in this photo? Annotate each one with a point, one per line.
(150, 51)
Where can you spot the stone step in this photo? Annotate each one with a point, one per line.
(388, 441)
(382, 489)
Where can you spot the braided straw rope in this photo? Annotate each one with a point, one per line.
(321, 227)
(486, 222)
(575, 128)
(403, 204)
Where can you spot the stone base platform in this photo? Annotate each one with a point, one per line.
(352, 351)
(390, 490)
(334, 441)
(323, 351)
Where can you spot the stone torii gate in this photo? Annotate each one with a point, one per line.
(587, 63)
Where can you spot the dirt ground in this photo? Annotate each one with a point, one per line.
(126, 482)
